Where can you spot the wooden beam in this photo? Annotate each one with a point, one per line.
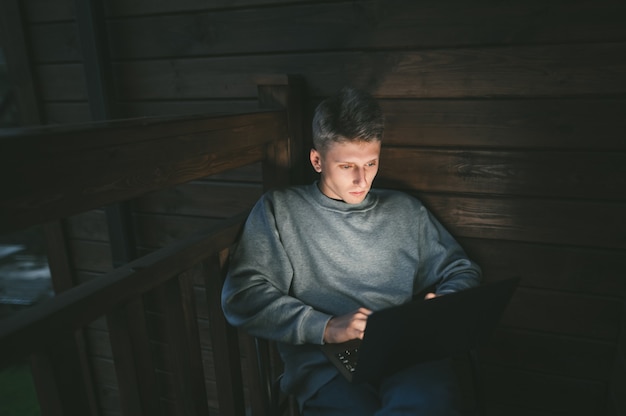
(38, 172)
(177, 302)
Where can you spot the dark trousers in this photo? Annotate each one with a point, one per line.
(428, 389)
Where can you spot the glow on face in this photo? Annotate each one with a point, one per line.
(347, 169)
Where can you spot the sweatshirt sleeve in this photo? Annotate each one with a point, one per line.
(443, 262)
(256, 296)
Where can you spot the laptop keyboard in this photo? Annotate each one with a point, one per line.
(349, 358)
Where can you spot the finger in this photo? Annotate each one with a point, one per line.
(364, 311)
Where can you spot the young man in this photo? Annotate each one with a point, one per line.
(314, 262)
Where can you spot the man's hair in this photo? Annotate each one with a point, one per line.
(350, 115)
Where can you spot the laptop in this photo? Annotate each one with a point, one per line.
(422, 330)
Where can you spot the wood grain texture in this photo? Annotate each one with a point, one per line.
(575, 175)
(556, 123)
(567, 70)
(563, 268)
(597, 224)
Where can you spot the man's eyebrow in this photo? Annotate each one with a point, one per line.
(353, 163)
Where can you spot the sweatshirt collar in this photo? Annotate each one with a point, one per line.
(338, 205)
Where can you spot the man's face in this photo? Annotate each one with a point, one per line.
(347, 169)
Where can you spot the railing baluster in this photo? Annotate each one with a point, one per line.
(225, 344)
(61, 387)
(179, 312)
(133, 359)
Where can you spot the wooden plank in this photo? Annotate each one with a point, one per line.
(597, 224)
(555, 174)
(593, 69)
(508, 123)
(540, 392)
(550, 354)
(561, 313)
(368, 24)
(374, 24)
(541, 266)
(523, 71)
(44, 10)
(109, 172)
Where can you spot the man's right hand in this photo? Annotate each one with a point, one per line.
(346, 327)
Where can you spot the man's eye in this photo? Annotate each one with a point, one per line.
(369, 165)
(345, 166)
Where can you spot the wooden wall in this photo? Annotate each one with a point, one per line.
(507, 119)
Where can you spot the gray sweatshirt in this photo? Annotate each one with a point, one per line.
(304, 258)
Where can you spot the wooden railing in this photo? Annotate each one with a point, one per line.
(49, 174)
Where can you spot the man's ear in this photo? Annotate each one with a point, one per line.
(316, 160)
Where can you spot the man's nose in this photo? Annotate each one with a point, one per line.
(360, 177)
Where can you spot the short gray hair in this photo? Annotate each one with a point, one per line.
(350, 115)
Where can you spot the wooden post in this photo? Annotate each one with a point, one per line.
(17, 51)
(225, 344)
(177, 302)
(59, 383)
(285, 161)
